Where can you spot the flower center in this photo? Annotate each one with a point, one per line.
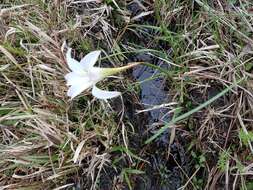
(95, 75)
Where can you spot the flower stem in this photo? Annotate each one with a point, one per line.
(112, 71)
(133, 64)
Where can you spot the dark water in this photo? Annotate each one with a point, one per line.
(163, 172)
(152, 91)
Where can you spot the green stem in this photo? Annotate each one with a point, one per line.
(185, 115)
(112, 71)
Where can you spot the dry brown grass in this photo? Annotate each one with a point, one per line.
(45, 138)
(48, 142)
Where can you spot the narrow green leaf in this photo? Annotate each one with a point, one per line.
(187, 114)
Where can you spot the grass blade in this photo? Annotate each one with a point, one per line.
(187, 114)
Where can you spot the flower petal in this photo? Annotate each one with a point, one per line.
(103, 94)
(90, 59)
(75, 79)
(73, 64)
(77, 89)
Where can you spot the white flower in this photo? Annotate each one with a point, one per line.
(84, 75)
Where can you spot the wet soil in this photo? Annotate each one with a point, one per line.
(152, 91)
(163, 171)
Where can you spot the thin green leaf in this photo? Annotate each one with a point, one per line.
(187, 114)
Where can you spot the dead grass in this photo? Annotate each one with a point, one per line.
(44, 137)
(48, 142)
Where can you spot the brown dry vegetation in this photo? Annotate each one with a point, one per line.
(49, 142)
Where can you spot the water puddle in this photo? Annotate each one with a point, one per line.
(152, 87)
(163, 172)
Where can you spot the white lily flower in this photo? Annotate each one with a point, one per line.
(84, 75)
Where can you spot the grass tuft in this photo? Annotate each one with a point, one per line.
(196, 135)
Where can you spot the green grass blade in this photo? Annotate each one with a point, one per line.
(187, 114)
